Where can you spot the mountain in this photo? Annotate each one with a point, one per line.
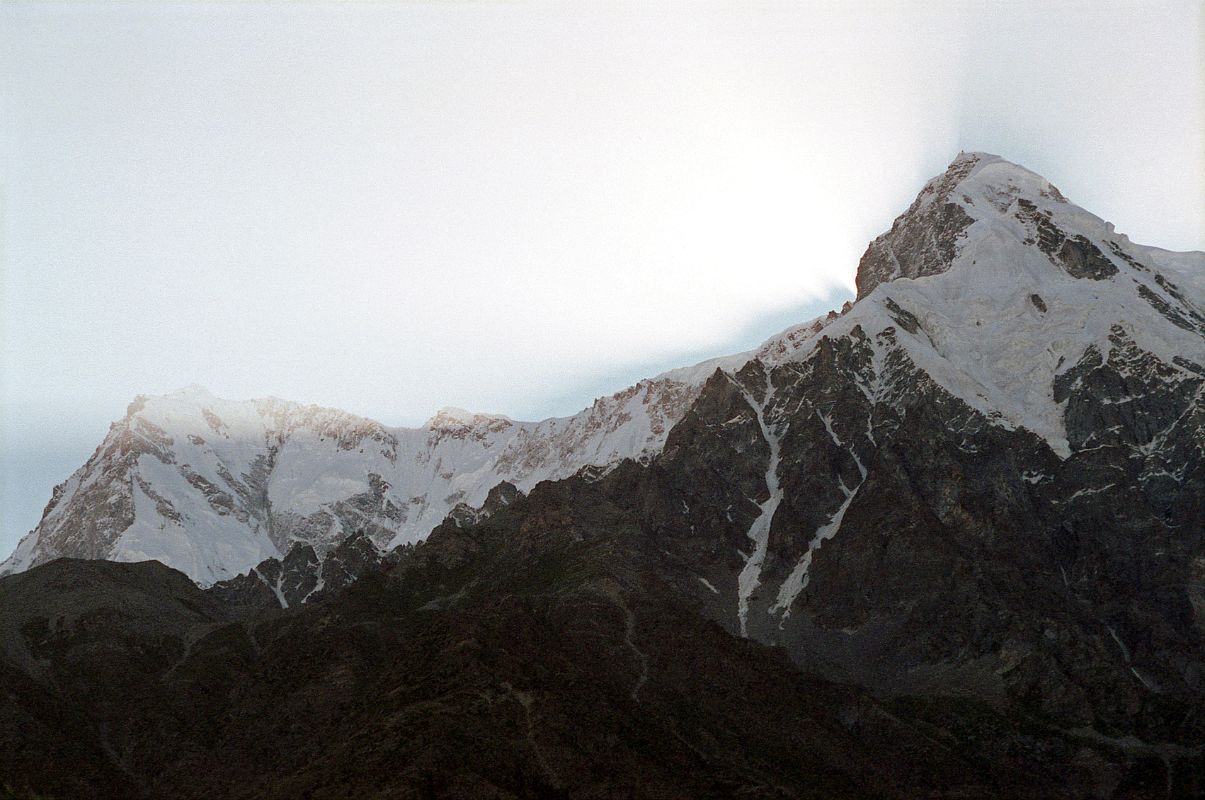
(949, 542)
(986, 478)
(213, 487)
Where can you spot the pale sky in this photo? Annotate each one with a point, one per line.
(511, 207)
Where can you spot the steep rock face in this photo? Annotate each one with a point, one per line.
(923, 240)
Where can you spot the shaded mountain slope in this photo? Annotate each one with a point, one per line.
(534, 654)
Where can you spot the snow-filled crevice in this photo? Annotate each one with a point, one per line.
(275, 587)
(798, 578)
(759, 531)
(797, 581)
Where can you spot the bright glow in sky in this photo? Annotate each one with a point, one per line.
(511, 207)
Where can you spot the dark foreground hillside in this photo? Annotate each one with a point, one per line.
(538, 653)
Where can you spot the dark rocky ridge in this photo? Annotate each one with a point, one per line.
(922, 241)
(302, 576)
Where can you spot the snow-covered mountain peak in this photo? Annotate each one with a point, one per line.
(973, 168)
(214, 487)
(996, 284)
(451, 418)
(974, 176)
(979, 195)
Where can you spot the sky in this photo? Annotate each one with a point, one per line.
(511, 207)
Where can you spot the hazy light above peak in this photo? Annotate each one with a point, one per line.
(514, 207)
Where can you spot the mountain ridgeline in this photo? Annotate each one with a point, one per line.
(948, 542)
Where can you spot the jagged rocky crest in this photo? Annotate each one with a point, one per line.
(302, 575)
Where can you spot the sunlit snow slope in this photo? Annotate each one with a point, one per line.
(213, 487)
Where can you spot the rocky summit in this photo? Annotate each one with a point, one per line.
(947, 542)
